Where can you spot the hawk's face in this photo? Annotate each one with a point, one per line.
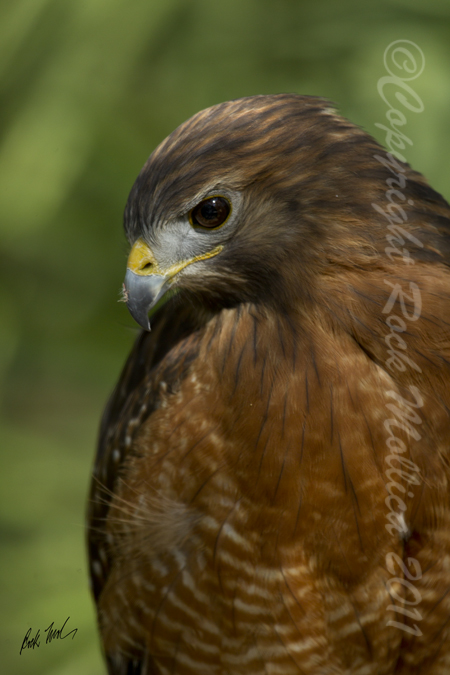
(248, 200)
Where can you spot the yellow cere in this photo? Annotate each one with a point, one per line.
(142, 261)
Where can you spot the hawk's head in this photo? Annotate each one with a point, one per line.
(251, 199)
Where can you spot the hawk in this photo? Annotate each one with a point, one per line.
(271, 488)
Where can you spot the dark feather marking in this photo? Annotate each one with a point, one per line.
(443, 625)
(175, 654)
(262, 456)
(280, 337)
(367, 297)
(294, 342)
(287, 650)
(219, 533)
(331, 414)
(287, 607)
(366, 637)
(264, 418)
(230, 345)
(177, 426)
(163, 456)
(444, 639)
(262, 375)
(262, 661)
(298, 511)
(263, 422)
(255, 328)
(217, 324)
(281, 473)
(163, 600)
(292, 619)
(205, 482)
(442, 358)
(200, 440)
(427, 317)
(338, 370)
(444, 595)
(429, 567)
(306, 391)
(236, 374)
(355, 503)
(369, 430)
(416, 508)
(284, 415)
(313, 358)
(124, 664)
(123, 577)
(350, 395)
(444, 405)
(426, 358)
(289, 612)
(338, 541)
(370, 356)
(342, 462)
(355, 318)
(303, 442)
(277, 539)
(330, 311)
(291, 591)
(233, 608)
(135, 667)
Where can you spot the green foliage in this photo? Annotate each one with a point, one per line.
(89, 88)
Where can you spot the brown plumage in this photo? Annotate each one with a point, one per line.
(271, 489)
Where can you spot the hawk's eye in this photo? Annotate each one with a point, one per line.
(211, 212)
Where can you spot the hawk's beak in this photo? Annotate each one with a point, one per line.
(144, 286)
(145, 283)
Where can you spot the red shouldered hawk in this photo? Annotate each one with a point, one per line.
(271, 488)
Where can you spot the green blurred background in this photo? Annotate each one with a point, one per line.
(89, 88)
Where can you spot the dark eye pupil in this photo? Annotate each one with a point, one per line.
(211, 212)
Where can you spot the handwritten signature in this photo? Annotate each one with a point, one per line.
(52, 634)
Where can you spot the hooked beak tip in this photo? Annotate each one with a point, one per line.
(141, 293)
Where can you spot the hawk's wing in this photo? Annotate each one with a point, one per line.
(133, 400)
